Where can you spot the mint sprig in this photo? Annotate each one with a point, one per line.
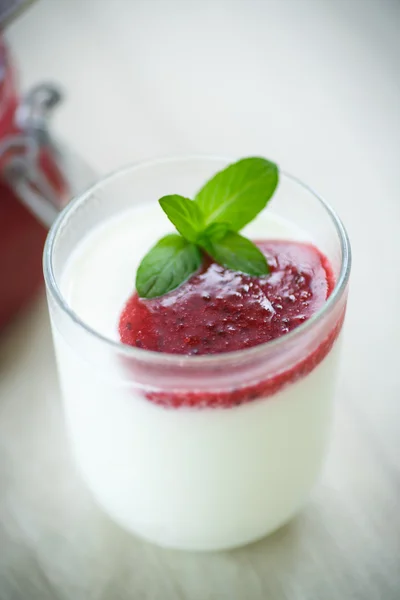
(210, 222)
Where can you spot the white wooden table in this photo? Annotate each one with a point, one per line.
(315, 85)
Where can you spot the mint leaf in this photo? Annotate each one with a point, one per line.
(168, 264)
(185, 214)
(238, 193)
(238, 253)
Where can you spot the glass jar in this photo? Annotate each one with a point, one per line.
(150, 437)
(37, 178)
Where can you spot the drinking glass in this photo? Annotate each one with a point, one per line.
(177, 471)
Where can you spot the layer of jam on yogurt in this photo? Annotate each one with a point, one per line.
(219, 310)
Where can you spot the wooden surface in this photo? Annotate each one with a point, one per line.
(315, 85)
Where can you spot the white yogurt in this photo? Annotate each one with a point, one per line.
(184, 478)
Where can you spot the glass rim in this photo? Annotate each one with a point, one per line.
(181, 359)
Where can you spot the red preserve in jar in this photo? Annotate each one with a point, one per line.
(21, 235)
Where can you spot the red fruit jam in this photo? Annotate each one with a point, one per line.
(219, 310)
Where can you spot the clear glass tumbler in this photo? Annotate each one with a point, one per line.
(197, 477)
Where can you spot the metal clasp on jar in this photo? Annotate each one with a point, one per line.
(43, 175)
